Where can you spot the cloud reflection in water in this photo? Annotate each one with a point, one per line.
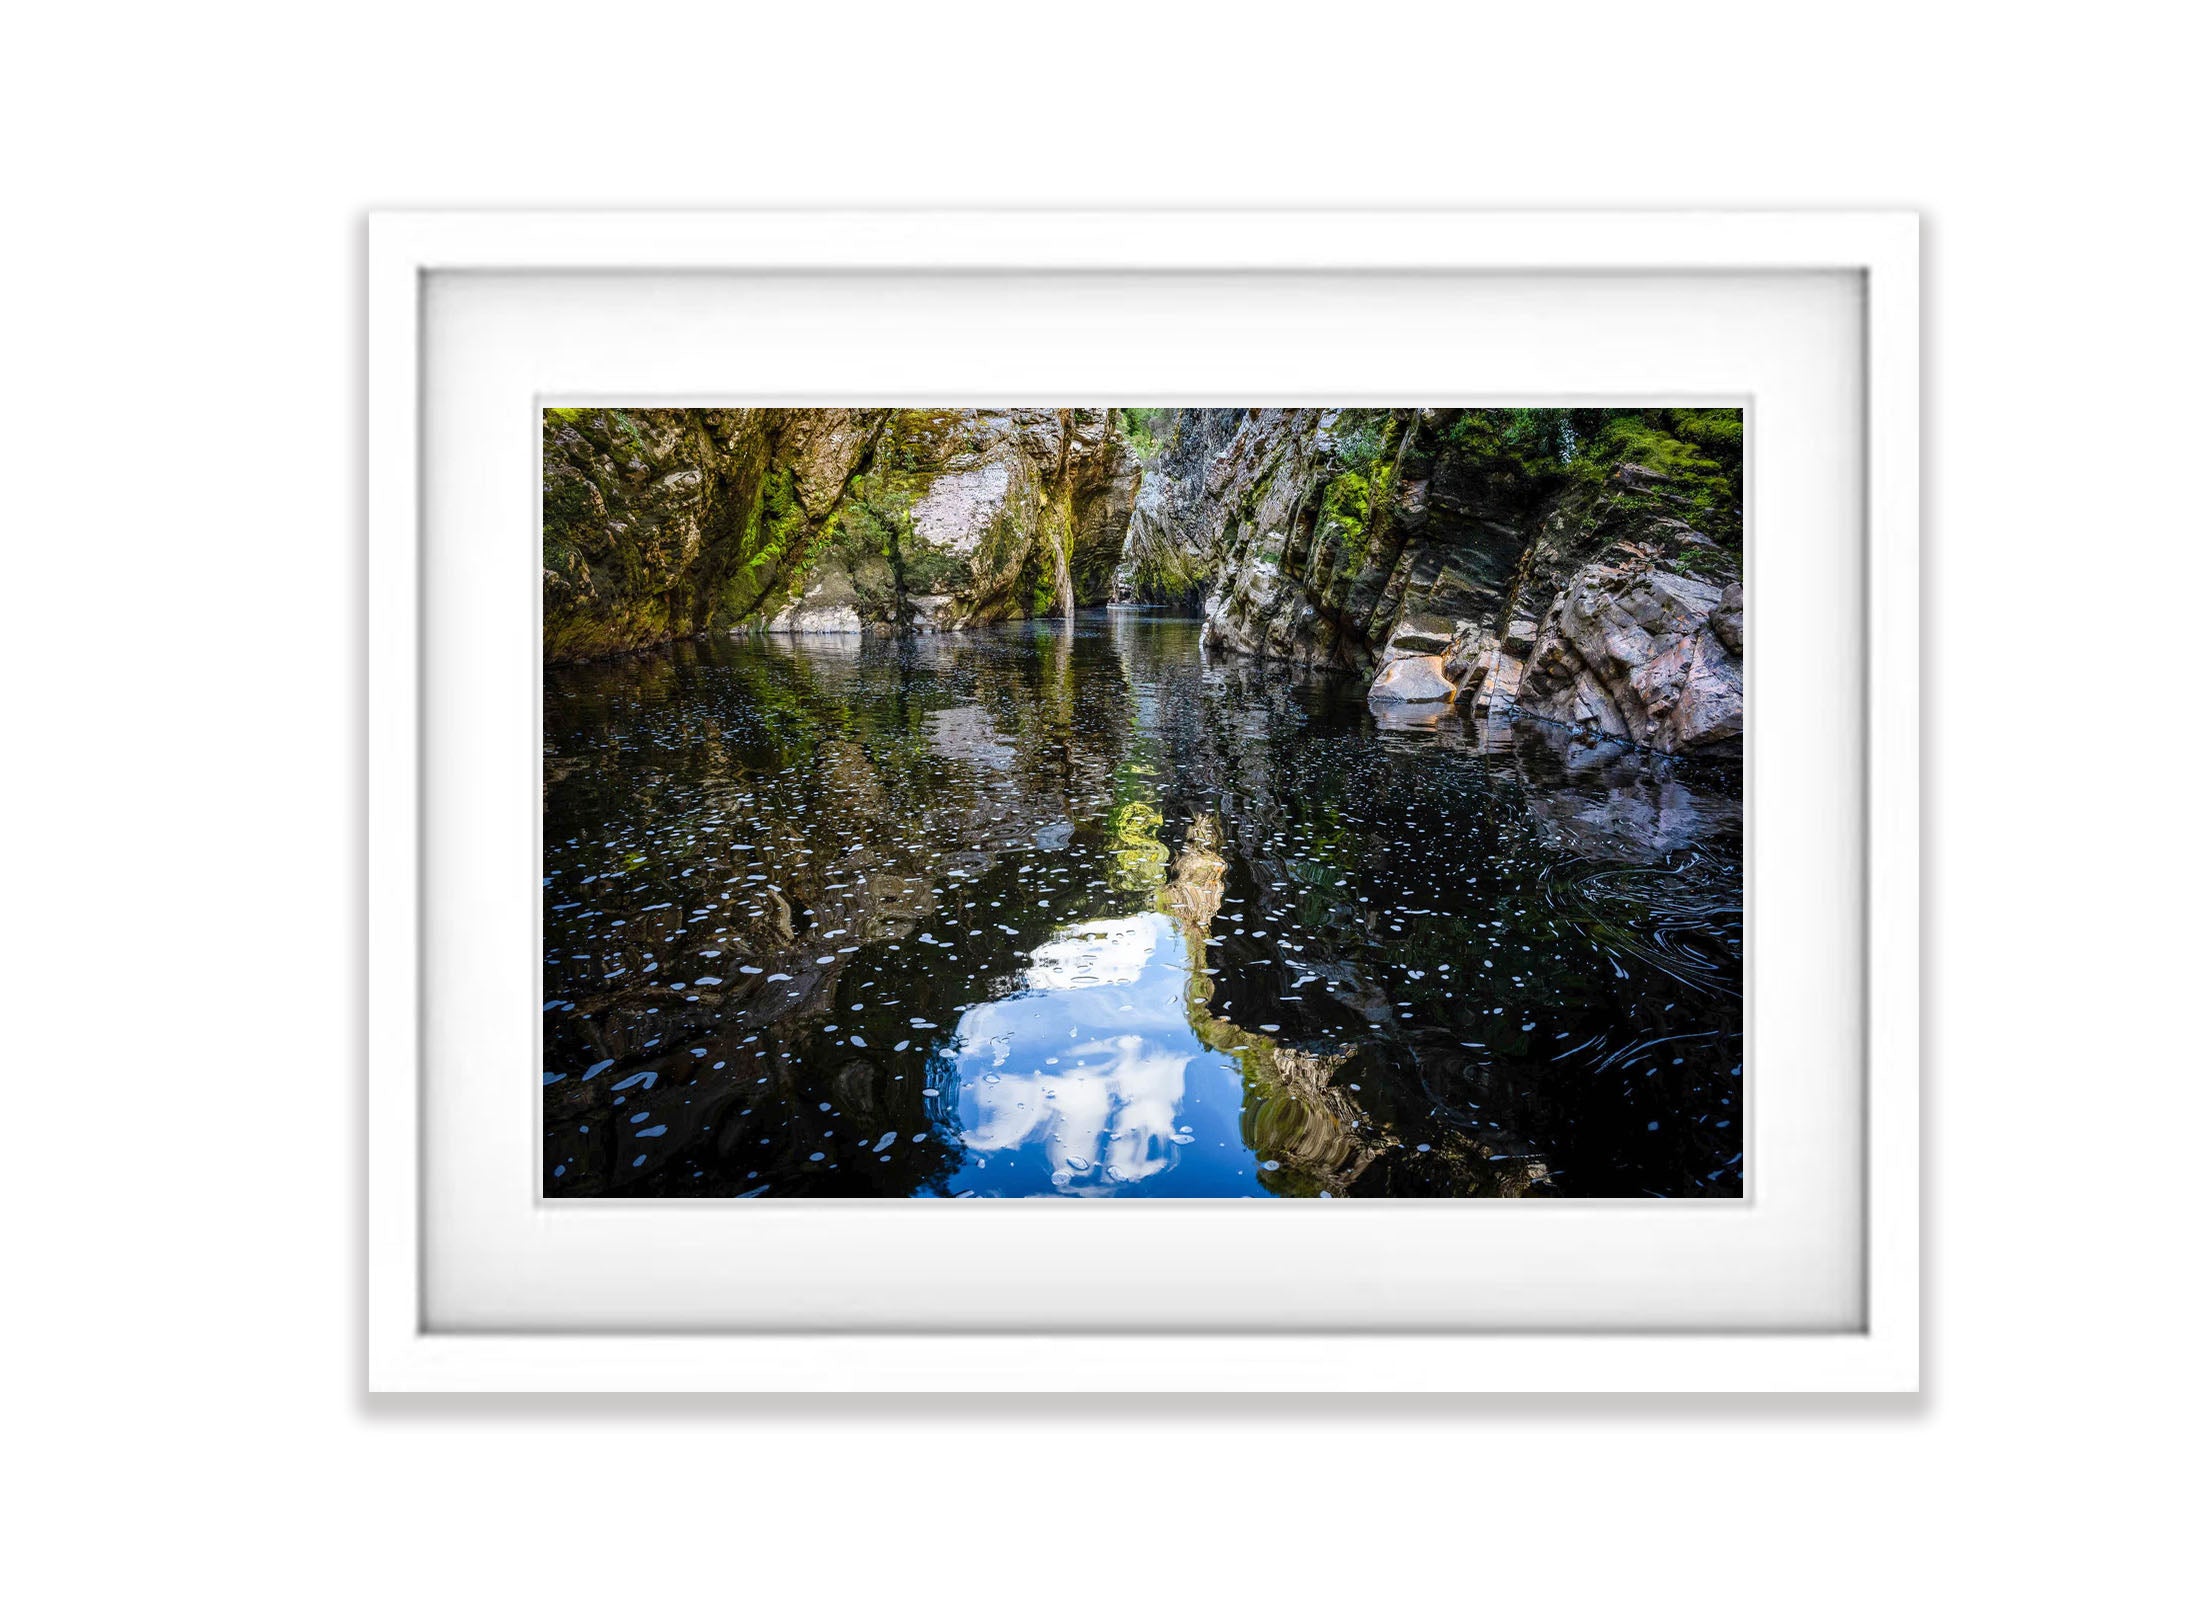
(1084, 1075)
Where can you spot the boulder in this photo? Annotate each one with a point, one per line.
(828, 603)
(818, 619)
(1412, 678)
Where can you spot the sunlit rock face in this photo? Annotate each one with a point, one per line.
(960, 506)
(970, 734)
(980, 516)
(824, 612)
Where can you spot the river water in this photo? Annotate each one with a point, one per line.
(1077, 910)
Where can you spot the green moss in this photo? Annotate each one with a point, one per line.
(1356, 501)
(1715, 431)
(925, 570)
(776, 522)
(600, 420)
(770, 553)
(571, 522)
(1344, 517)
(1041, 597)
(1695, 482)
(1516, 457)
(1167, 574)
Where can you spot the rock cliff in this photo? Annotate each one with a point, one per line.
(660, 524)
(1580, 566)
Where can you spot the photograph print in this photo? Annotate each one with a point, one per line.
(1111, 803)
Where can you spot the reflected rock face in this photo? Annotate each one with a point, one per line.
(1415, 716)
(1641, 820)
(968, 733)
(1604, 799)
(1194, 894)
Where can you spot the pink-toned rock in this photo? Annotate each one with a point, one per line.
(1645, 655)
(1412, 678)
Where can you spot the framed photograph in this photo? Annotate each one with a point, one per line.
(1347, 780)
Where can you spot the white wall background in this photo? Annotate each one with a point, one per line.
(179, 396)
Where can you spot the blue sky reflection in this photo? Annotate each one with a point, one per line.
(1090, 1081)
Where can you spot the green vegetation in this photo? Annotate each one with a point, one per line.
(1695, 562)
(1359, 495)
(775, 520)
(572, 512)
(1697, 483)
(1718, 433)
(1040, 595)
(925, 570)
(1148, 430)
(1344, 514)
(1689, 460)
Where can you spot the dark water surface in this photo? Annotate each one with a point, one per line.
(1053, 910)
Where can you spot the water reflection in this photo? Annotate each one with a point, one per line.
(1080, 1082)
(1077, 911)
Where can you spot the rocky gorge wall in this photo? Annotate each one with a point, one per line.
(662, 524)
(1581, 566)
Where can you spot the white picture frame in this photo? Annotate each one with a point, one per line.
(407, 1351)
